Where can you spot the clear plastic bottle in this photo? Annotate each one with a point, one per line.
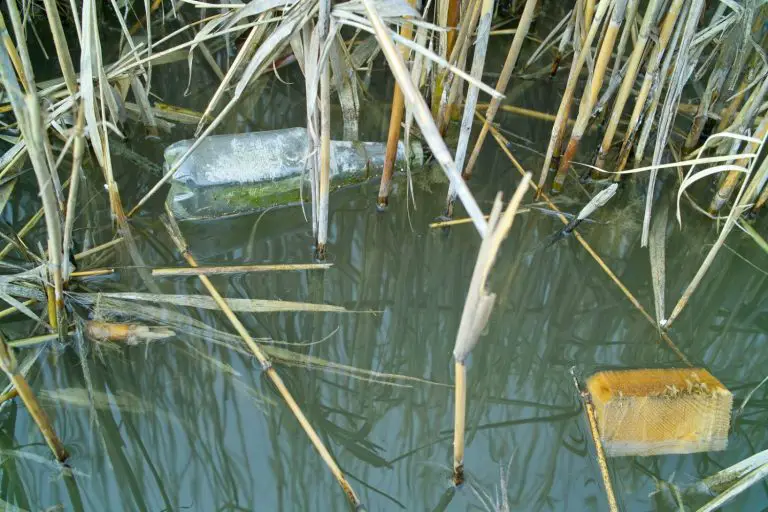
(235, 174)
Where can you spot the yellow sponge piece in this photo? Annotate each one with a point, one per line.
(658, 411)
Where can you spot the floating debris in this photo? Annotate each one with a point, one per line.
(234, 174)
(131, 334)
(660, 411)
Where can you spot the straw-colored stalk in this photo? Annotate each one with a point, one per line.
(62, 48)
(237, 269)
(451, 24)
(657, 88)
(589, 13)
(451, 85)
(10, 367)
(477, 311)
(12, 53)
(478, 64)
(324, 183)
(29, 119)
(92, 273)
(629, 28)
(728, 185)
(625, 90)
(266, 365)
(395, 120)
(504, 146)
(423, 117)
(589, 98)
(715, 82)
(523, 27)
(74, 180)
(589, 410)
(654, 61)
(579, 58)
(669, 110)
(758, 184)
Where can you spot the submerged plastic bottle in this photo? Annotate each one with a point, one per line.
(235, 174)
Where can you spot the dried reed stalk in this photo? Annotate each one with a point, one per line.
(633, 67)
(523, 27)
(589, 410)
(478, 64)
(731, 180)
(12, 53)
(74, 180)
(395, 120)
(654, 61)
(324, 183)
(9, 365)
(178, 240)
(62, 48)
(28, 116)
(579, 58)
(237, 269)
(589, 98)
(423, 117)
(477, 310)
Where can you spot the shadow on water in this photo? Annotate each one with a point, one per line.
(190, 425)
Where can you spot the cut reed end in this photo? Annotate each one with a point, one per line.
(660, 411)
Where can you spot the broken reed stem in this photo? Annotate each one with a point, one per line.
(625, 89)
(237, 269)
(324, 184)
(477, 310)
(589, 410)
(558, 130)
(265, 363)
(459, 419)
(589, 98)
(501, 85)
(10, 367)
(423, 117)
(654, 61)
(503, 144)
(74, 180)
(395, 120)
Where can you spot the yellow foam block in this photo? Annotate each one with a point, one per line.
(658, 411)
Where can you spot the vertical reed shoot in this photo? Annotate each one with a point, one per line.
(477, 310)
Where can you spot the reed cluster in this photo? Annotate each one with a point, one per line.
(630, 66)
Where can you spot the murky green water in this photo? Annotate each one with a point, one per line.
(186, 432)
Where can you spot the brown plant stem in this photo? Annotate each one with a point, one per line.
(395, 120)
(10, 367)
(501, 85)
(265, 363)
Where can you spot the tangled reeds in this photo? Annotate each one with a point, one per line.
(437, 56)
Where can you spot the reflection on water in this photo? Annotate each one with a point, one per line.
(191, 425)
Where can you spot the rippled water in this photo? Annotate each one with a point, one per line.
(194, 425)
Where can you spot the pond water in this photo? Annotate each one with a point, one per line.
(194, 425)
